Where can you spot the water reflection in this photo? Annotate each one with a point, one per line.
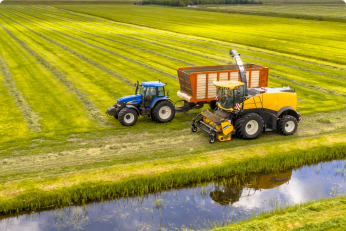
(195, 207)
(229, 192)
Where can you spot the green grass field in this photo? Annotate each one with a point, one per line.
(61, 67)
(321, 12)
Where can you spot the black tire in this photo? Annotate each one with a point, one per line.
(287, 125)
(116, 115)
(194, 128)
(128, 116)
(212, 105)
(246, 123)
(211, 139)
(160, 110)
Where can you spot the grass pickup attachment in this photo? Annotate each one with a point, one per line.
(247, 112)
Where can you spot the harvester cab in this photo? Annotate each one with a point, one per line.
(248, 112)
(150, 99)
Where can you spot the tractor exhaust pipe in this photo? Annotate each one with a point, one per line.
(241, 68)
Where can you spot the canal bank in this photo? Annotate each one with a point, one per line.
(284, 197)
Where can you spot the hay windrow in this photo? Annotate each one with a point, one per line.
(112, 52)
(211, 48)
(79, 55)
(93, 111)
(31, 117)
(141, 27)
(126, 44)
(298, 83)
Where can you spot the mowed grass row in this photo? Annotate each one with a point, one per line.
(300, 76)
(12, 121)
(136, 30)
(44, 46)
(164, 33)
(152, 32)
(55, 104)
(100, 87)
(312, 73)
(93, 45)
(318, 40)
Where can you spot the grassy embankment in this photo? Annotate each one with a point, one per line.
(69, 152)
(326, 214)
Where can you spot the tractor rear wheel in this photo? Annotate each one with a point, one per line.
(128, 117)
(249, 126)
(163, 112)
(287, 125)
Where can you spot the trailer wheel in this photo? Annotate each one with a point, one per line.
(127, 117)
(194, 128)
(249, 126)
(287, 125)
(212, 105)
(163, 112)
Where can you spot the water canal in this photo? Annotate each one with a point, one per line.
(194, 207)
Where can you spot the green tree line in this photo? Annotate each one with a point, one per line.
(198, 2)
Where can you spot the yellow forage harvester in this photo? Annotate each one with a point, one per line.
(248, 112)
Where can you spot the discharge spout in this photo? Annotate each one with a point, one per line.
(241, 68)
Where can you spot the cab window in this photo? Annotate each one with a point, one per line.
(149, 96)
(161, 91)
(239, 93)
(141, 91)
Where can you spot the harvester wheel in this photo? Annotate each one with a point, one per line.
(211, 139)
(163, 112)
(249, 126)
(287, 125)
(128, 117)
(194, 128)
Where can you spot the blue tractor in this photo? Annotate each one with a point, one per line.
(150, 99)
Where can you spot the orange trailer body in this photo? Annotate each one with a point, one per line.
(196, 83)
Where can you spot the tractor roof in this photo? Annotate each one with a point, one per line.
(153, 84)
(228, 84)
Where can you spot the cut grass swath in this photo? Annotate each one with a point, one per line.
(88, 104)
(31, 118)
(43, 94)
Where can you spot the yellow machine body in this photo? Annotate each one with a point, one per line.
(272, 99)
(226, 128)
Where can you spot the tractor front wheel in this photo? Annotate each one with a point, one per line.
(163, 112)
(128, 117)
(287, 125)
(249, 126)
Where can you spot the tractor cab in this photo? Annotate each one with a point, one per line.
(150, 99)
(230, 93)
(150, 91)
